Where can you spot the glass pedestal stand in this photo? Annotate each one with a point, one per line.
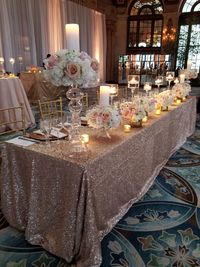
(75, 95)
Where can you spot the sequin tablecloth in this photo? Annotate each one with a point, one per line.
(68, 205)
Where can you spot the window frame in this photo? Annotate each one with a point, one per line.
(153, 17)
(193, 17)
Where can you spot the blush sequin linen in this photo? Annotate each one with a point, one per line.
(67, 205)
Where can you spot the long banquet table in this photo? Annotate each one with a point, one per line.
(12, 94)
(68, 205)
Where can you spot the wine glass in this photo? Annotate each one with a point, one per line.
(45, 126)
(133, 83)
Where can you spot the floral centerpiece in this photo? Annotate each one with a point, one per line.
(70, 67)
(103, 117)
(133, 111)
(148, 104)
(189, 74)
(181, 90)
(165, 99)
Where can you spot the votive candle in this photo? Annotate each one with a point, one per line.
(127, 128)
(85, 138)
(145, 119)
(178, 101)
(158, 112)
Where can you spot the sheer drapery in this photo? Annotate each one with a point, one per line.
(29, 30)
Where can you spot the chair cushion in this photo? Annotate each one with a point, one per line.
(15, 251)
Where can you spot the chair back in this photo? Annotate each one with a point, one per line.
(50, 108)
(12, 119)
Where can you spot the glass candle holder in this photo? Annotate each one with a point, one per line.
(170, 77)
(127, 128)
(159, 81)
(133, 83)
(147, 87)
(113, 92)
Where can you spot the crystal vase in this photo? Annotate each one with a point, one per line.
(75, 96)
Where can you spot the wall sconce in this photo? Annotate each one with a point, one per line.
(169, 32)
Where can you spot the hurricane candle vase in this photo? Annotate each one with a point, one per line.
(159, 81)
(133, 84)
(170, 77)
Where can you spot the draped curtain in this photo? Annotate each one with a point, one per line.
(30, 29)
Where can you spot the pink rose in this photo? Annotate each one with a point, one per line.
(52, 61)
(84, 55)
(95, 65)
(73, 70)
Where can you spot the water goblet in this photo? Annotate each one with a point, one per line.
(45, 126)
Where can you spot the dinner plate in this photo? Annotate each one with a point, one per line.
(41, 137)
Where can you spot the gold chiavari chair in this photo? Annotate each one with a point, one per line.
(12, 119)
(50, 108)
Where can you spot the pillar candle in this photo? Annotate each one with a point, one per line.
(104, 95)
(182, 78)
(189, 64)
(72, 36)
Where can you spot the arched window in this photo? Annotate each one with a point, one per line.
(189, 35)
(145, 24)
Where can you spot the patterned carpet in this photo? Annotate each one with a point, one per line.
(161, 230)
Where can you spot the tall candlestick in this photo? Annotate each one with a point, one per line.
(104, 95)
(72, 35)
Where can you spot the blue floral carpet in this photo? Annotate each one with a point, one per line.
(163, 228)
